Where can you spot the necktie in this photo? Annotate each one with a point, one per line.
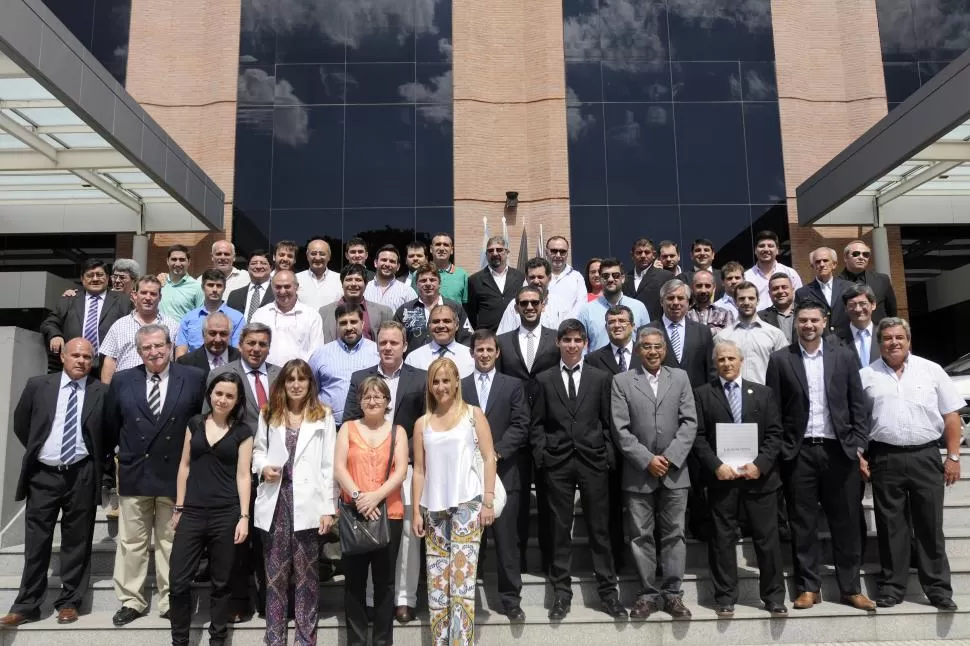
(217, 361)
(91, 322)
(482, 390)
(675, 342)
(621, 359)
(442, 351)
(530, 350)
(734, 399)
(863, 348)
(260, 391)
(571, 391)
(254, 302)
(69, 439)
(155, 396)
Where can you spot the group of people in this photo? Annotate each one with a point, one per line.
(243, 412)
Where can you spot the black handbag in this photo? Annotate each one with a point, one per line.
(359, 535)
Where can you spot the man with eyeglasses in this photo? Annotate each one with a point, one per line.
(124, 273)
(565, 282)
(493, 288)
(555, 308)
(258, 292)
(856, 256)
(593, 314)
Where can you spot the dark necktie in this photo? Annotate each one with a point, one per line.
(621, 359)
(442, 351)
(571, 391)
(254, 302)
(69, 439)
(155, 396)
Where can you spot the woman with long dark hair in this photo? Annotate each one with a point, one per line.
(594, 284)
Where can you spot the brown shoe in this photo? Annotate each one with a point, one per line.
(807, 600)
(403, 614)
(860, 602)
(67, 615)
(14, 619)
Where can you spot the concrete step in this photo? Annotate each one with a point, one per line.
(827, 622)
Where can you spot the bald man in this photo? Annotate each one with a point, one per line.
(297, 328)
(319, 286)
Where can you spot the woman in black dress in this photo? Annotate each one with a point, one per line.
(212, 504)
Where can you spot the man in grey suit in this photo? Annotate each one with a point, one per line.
(654, 424)
(353, 278)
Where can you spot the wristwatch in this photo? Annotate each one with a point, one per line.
(355, 495)
(489, 505)
(954, 457)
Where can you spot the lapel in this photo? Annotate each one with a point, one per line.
(721, 398)
(469, 390)
(92, 397)
(643, 281)
(495, 389)
(512, 283)
(560, 387)
(137, 383)
(108, 305)
(50, 393)
(547, 342)
(307, 431)
(172, 394)
(798, 365)
(663, 383)
(585, 376)
(77, 310)
(670, 348)
(489, 281)
(611, 359)
(828, 366)
(747, 403)
(640, 382)
(404, 386)
(242, 370)
(837, 286)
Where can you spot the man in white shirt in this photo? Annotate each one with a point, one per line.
(443, 324)
(385, 288)
(297, 329)
(319, 286)
(756, 338)
(766, 250)
(860, 302)
(223, 257)
(565, 282)
(733, 274)
(556, 309)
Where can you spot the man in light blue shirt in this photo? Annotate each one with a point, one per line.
(335, 363)
(190, 337)
(593, 314)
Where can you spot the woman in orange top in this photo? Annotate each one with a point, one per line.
(360, 465)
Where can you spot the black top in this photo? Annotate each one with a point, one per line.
(212, 469)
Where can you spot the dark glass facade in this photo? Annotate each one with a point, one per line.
(673, 124)
(344, 124)
(102, 26)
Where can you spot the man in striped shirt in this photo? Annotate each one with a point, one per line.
(385, 288)
(119, 348)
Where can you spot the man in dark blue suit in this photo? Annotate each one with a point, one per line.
(146, 414)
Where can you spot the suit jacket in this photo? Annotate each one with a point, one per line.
(846, 335)
(199, 359)
(150, 449)
(33, 420)
(646, 425)
(838, 317)
(698, 349)
(376, 314)
(882, 287)
(508, 418)
(757, 407)
(770, 316)
(411, 316)
(486, 303)
(408, 403)
(67, 319)
(843, 390)
(649, 290)
(252, 405)
(511, 361)
(605, 360)
(562, 428)
(238, 299)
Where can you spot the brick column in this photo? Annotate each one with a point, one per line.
(183, 66)
(830, 91)
(510, 121)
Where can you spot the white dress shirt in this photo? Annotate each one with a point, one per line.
(460, 354)
(489, 379)
(556, 310)
(296, 334)
(653, 380)
(394, 294)
(162, 385)
(499, 277)
(570, 287)
(392, 380)
(317, 292)
(826, 289)
(757, 340)
(50, 453)
(237, 278)
(576, 375)
(637, 277)
(819, 418)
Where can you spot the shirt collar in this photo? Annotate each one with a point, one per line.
(498, 274)
(828, 284)
(65, 380)
(224, 355)
(628, 347)
(562, 366)
(350, 350)
(164, 373)
(817, 353)
(757, 269)
(755, 322)
(261, 369)
(667, 322)
(855, 330)
(724, 381)
(450, 269)
(524, 333)
(490, 374)
(435, 347)
(393, 375)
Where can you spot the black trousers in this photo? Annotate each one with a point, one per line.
(761, 510)
(249, 563)
(505, 533)
(530, 475)
(594, 493)
(823, 474)
(198, 529)
(51, 492)
(618, 542)
(382, 565)
(698, 510)
(907, 490)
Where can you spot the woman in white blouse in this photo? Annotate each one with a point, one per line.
(455, 505)
(296, 499)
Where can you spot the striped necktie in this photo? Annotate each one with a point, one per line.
(734, 399)
(69, 438)
(155, 396)
(675, 341)
(442, 351)
(530, 349)
(254, 302)
(90, 331)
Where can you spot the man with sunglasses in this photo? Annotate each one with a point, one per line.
(856, 256)
(565, 282)
(492, 289)
(593, 314)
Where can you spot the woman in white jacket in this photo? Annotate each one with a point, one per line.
(296, 499)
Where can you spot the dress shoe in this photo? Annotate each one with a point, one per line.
(403, 614)
(886, 602)
(643, 608)
(784, 533)
(240, 617)
(807, 600)
(67, 615)
(860, 602)
(165, 615)
(776, 609)
(125, 616)
(14, 619)
(946, 605)
(614, 608)
(675, 608)
(515, 614)
(724, 612)
(559, 610)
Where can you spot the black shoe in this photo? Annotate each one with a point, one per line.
(559, 610)
(946, 605)
(724, 612)
(165, 615)
(614, 608)
(643, 608)
(125, 616)
(886, 602)
(515, 614)
(776, 609)
(784, 534)
(676, 608)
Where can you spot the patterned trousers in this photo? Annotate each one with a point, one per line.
(452, 539)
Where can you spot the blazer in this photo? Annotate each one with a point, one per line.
(411, 316)
(376, 314)
(843, 390)
(150, 450)
(508, 418)
(697, 356)
(511, 362)
(649, 291)
(605, 360)
(314, 488)
(486, 303)
(241, 369)
(846, 335)
(238, 299)
(562, 428)
(757, 407)
(199, 359)
(646, 425)
(770, 316)
(408, 401)
(882, 287)
(66, 320)
(33, 419)
(837, 314)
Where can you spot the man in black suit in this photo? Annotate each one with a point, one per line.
(825, 417)
(502, 398)
(89, 313)
(258, 292)
(644, 281)
(487, 299)
(215, 351)
(702, 255)
(573, 447)
(146, 413)
(751, 486)
(826, 288)
(408, 385)
(59, 422)
(858, 332)
(781, 313)
(855, 257)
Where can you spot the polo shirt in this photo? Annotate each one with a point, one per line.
(181, 297)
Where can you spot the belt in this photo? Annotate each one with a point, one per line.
(895, 448)
(63, 468)
(819, 440)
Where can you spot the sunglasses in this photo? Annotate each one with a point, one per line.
(529, 303)
(856, 254)
(615, 275)
(558, 252)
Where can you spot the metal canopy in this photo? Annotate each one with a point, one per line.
(77, 153)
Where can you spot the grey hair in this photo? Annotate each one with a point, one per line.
(834, 256)
(648, 330)
(845, 249)
(256, 328)
(673, 285)
(893, 321)
(207, 319)
(495, 239)
(128, 266)
(231, 246)
(726, 343)
(152, 328)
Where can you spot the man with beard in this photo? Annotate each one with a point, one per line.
(781, 314)
(353, 279)
(555, 309)
(493, 288)
(593, 314)
(565, 282)
(703, 310)
(385, 288)
(644, 281)
(284, 256)
(766, 248)
(756, 339)
(335, 363)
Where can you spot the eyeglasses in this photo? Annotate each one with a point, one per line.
(373, 398)
(652, 346)
(613, 275)
(529, 303)
(557, 252)
(856, 254)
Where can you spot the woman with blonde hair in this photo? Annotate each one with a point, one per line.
(296, 499)
(455, 504)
